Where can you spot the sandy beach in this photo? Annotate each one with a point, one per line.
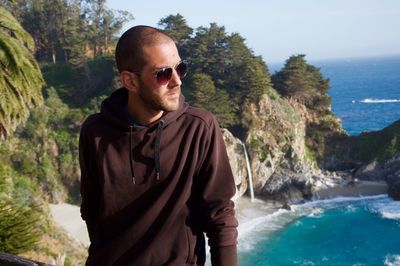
(357, 189)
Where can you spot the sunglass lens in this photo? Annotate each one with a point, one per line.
(182, 69)
(163, 76)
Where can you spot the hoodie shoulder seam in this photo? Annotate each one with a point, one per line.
(204, 115)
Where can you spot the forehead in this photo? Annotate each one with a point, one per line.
(161, 55)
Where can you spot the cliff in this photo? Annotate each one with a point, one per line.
(285, 169)
(278, 155)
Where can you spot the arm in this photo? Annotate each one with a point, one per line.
(217, 187)
(89, 188)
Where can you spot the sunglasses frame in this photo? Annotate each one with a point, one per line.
(168, 76)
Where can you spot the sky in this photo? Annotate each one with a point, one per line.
(277, 29)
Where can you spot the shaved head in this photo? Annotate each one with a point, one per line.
(129, 51)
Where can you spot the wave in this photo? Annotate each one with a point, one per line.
(392, 260)
(370, 100)
(387, 208)
(379, 204)
(257, 225)
(249, 230)
(340, 199)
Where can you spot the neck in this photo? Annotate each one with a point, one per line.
(141, 112)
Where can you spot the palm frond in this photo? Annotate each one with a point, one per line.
(20, 76)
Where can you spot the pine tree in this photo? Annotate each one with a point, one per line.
(176, 27)
(303, 82)
(207, 96)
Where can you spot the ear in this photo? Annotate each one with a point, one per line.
(129, 80)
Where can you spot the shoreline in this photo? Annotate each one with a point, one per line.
(357, 189)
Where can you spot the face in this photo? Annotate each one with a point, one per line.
(157, 97)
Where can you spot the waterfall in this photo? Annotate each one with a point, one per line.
(249, 172)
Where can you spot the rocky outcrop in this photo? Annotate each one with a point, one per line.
(283, 169)
(394, 188)
(234, 148)
(275, 139)
(387, 170)
(276, 142)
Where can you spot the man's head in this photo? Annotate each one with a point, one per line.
(150, 68)
(129, 50)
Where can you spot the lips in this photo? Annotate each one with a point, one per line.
(173, 93)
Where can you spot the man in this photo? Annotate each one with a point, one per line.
(155, 173)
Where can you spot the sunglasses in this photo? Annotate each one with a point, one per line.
(164, 75)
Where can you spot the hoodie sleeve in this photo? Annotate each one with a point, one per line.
(216, 209)
(89, 188)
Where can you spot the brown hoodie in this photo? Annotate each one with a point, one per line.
(149, 192)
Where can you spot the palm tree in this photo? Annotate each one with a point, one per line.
(20, 76)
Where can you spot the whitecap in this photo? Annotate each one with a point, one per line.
(388, 208)
(392, 260)
(370, 100)
(337, 200)
(316, 213)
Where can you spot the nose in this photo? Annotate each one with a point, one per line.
(175, 79)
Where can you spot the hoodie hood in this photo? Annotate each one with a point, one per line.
(113, 109)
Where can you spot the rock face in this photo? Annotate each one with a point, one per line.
(388, 171)
(281, 166)
(276, 142)
(394, 188)
(234, 148)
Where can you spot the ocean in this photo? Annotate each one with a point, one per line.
(341, 231)
(365, 92)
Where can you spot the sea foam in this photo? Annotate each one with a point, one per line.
(387, 208)
(392, 260)
(370, 100)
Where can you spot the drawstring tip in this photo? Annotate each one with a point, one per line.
(158, 176)
(133, 180)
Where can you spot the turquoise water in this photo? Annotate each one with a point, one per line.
(343, 231)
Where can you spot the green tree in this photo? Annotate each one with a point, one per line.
(75, 36)
(103, 23)
(20, 76)
(217, 101)
(46, 21)
(70, 30)
(304, 83)
(176, 27)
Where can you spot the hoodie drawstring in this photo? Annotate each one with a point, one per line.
(130, 155)
(157, 149)
(157, 163)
